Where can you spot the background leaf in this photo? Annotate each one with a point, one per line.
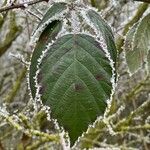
(141, 43)
(75, 82)
(129, 38)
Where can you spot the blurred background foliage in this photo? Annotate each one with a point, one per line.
(130, 110)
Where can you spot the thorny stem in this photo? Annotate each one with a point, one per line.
(31, 132)
(126, 121)
(25, 121)
(21, 5)
(139, 127)
(35, 145)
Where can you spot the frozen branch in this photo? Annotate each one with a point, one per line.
(21, 5)
(126, 121)
(32, 132)
(133, 128)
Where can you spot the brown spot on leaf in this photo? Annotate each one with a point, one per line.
(99, 77)
(42, 89)
(39, 77)
(78, 87)
(44, 38)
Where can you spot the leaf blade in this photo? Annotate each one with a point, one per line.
(74, 81)
(141, 43)
(56, 8)
(106, 31)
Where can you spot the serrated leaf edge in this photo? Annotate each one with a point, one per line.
(58, 16)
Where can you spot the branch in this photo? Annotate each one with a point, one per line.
(133, 128)
(138, 86)
(37, 144)
(32, 132)
(21, 5)
(126, 121)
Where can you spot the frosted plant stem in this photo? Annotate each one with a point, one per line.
(21, 5)
(29, 132)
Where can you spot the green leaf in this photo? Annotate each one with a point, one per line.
(47, 36)
(75, 79)
(106, 31)
(55, 9)
(129, 38)
(141, 44)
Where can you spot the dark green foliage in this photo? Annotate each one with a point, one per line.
(75, 73)
(139, 35)
(47, 35)
(106, 31)
(75, 82)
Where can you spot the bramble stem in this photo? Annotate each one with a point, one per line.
(21, 5)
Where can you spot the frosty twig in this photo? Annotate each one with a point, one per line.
(21, 5)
